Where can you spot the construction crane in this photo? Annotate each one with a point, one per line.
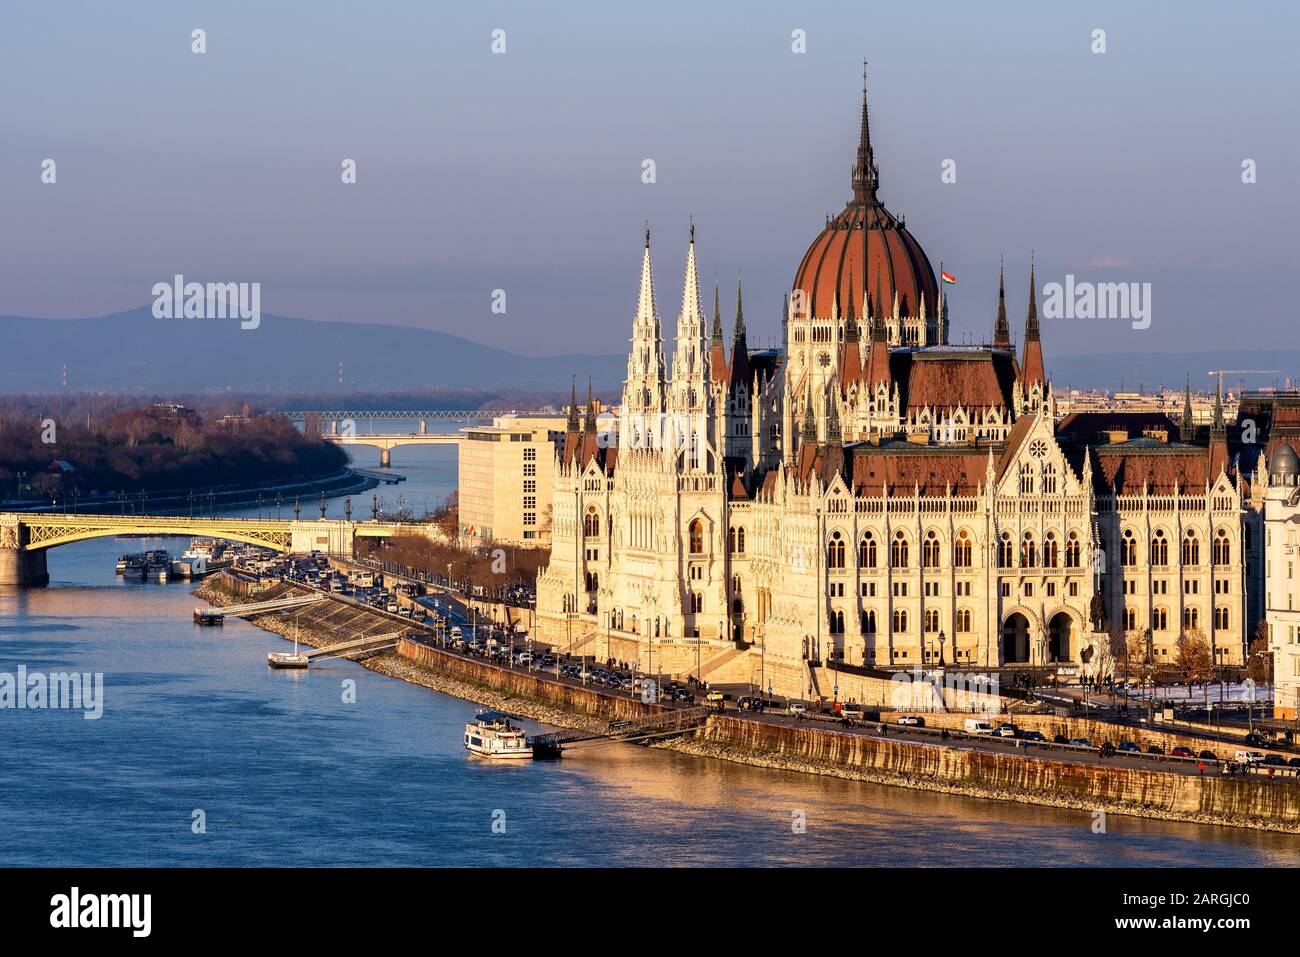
(1222, 372)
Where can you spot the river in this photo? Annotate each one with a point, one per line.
(280, 769)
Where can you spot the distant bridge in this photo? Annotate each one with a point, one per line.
(25, 537)
(387, 442)
(441, 415)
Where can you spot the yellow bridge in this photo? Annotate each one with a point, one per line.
(25, 537)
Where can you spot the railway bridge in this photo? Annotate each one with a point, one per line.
(26, 537)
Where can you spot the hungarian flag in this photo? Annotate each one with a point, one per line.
(948, 279)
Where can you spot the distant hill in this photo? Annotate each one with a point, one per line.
(134, 352)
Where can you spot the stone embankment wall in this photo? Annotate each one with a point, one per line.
(1212, 799)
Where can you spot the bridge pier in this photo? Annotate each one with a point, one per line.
(18, 567)
(385, 458)
(424, 426)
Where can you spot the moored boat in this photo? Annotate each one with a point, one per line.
(492, 735)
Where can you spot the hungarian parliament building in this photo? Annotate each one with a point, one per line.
(874, 496)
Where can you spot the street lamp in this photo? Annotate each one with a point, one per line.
(942, 639)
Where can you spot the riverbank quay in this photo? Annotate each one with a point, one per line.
(984, 769)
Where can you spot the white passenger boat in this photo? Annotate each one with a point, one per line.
(282, 659)
(493, 736)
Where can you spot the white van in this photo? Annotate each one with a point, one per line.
(977, 726)
(1248, 757)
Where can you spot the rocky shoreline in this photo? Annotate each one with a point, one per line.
(395, 666)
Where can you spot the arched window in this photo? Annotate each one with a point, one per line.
(867, 551)
(1072, 551)
(697, 537)
(1221, 617)
(837, 622)
(1191, 618)
(1128, 548)
(731, 539)
(869, 622)
(697, 602)
(961, 552)
(930, 551)
(1191, 549)
(1049, 479)
(900, 621)
(740, 540)
(1130, 619)
(931, 621)
(1006, 551)
(963, 620)
(1027, 479)
(591, 524)
(1050, 555)
(1028, 554)
(898, 552)
(1159, 549)
(1160, 619)
(835, 551)
(1222, 548)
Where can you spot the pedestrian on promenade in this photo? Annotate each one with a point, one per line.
(1200, 767)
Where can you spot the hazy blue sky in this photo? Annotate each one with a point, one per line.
(522, 172)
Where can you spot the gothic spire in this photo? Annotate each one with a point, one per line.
(717, 316)
(809, 422)
(1001, 330)
(738, 334)
(589, 426)
(1031, 368)
(1031, 320)
(1186, 428)
(572, 424)
(834, 434)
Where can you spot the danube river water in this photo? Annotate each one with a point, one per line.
(281, 769)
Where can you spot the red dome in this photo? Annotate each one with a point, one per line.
(866, 249)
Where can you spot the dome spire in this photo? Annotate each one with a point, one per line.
(865, 173)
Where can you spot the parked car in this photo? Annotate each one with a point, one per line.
(1293, 762)
(850, 712)
(1007, 731)
(1128, 747)
(1275, 760)
(1081, 742)
(1155, 749)
(684, 695)
(977, 726)
(1248, 757)
(1060, 739)
(1255, 740)
(912, 720)
(1208, 755)
(1182, 751)
(1032, 736)
(794, 707)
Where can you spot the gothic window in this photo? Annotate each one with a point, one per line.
(1221, 617)
(697, 602)
(1160, 620)
(697, 537)
(740, 540)
(1159, 549)
(1049, 479)
(961, 552)
(1006, 551)
(591, 524)
(1130, 619)
(1191, 549)
(930, 551)
(1026, 479)
(835, 551)
(1050, 554)
(869, 622)
(731, 539)
(837, 622)
(1072, 551)
(931, 621)
(867, 551)
(898, 553)
(1028, 553)
(1128, 548)
(1191, 619)
(963, 620)
(900, 621)
(1222, 548)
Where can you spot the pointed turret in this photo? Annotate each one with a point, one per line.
(717, 351)
(809, 433)
(645, 390)
(739, 367)
(1031, 370)
(572, 435)
(851, 354)
(1218, 451)
(1187, 427)
(834, 434)
(1001, 330)
(690, 359)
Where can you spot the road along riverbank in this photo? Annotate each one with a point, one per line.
(1108, 787)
